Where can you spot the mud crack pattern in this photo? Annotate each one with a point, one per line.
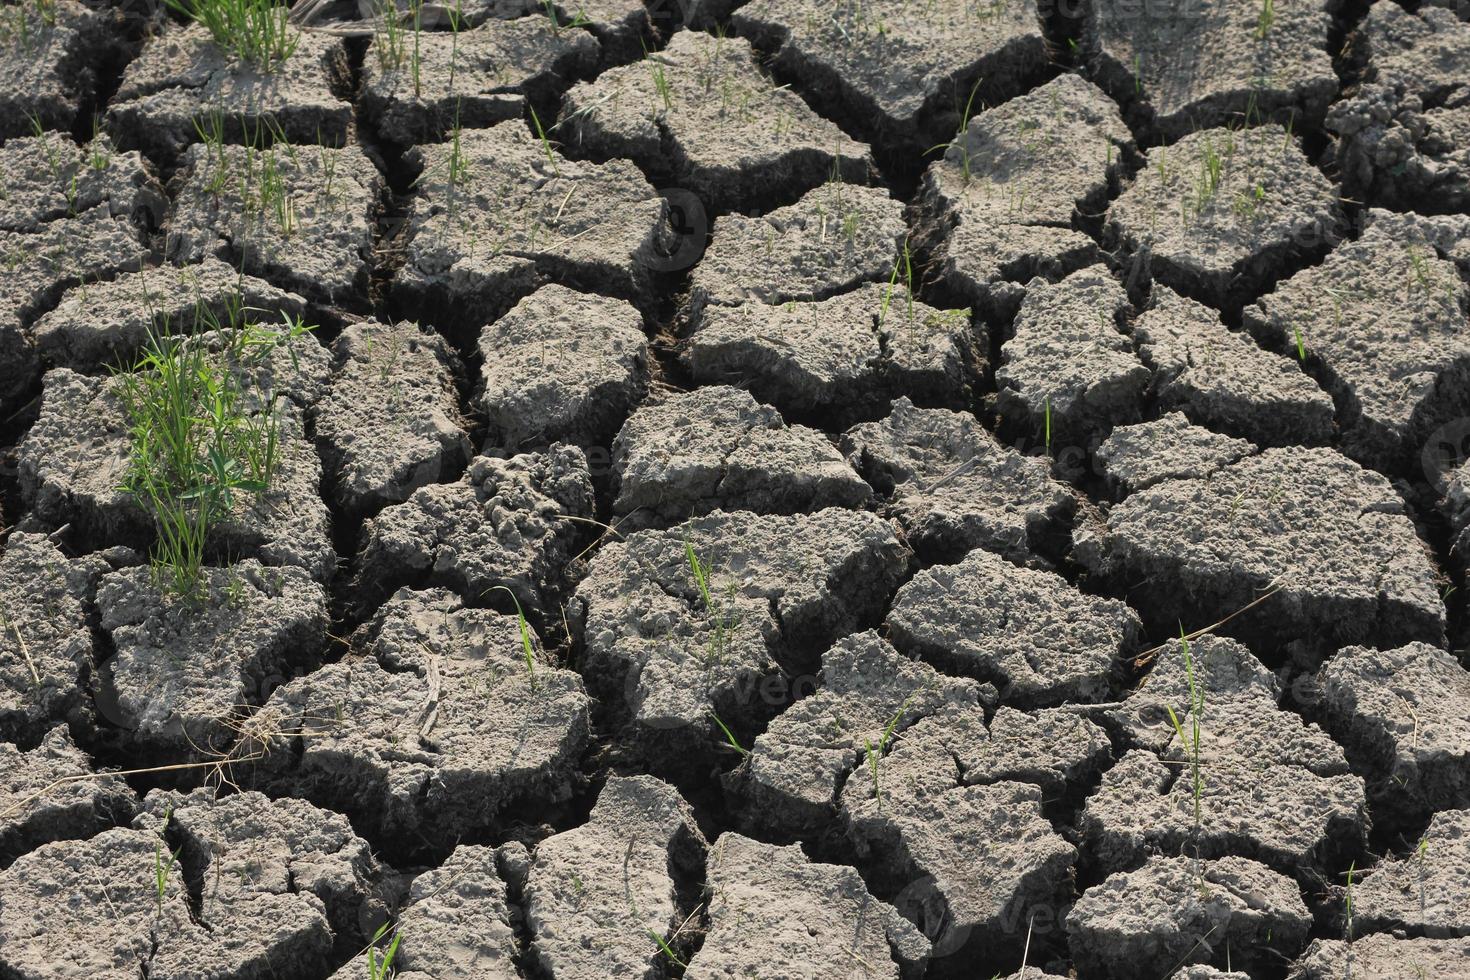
(986, 484)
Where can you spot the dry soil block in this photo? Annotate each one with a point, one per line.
(477, 77)
(967, 850)
(1028, 631)
(49, 58)
(1005, 199)
(457, 925)
(186, 673)
(597, 895)
(1136, 457)
(1385, 323)
(300, 217)
(1404, 716)
(391, 421)
(790, 780)
(1272, 789)
(901, 71)
(506, 522)
(834, 239)
(52, 793)
(76, 457)
(45, 643)
(954, 488)
(839, 360)
(439, 730)
(1333, 538)
(102, 325)
(1067, 371)
(1174, 910)
(38, 267)
(496, 209)
(1403, 134)
(718, 448)
(669, 651)
(1182, 66)
(1425, 892)
(50, 176)
(1383, 958)
(561, 366)
(700, 114)
(182, 76)
(1221, 213)
(774, 913)
(1222, 379)
(261, 861)
(55, 923)
(277, 883)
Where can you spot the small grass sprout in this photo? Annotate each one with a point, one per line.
(722, 621)
(730, 739)
(667, 950)
(256, 31)
(380, 963)
(528, 651)
(1190, 743)
(875, 752)
(164, 860)
(545, 143)
(1265, 19)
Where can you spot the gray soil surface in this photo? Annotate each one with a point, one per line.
(904, 69)
(1174, 910)
(561, 366)
(717, 448)
(1026, 630)
(1220, 378)
(1401, 133)
(833, 239)
(182, 76)
(761, 889)
(391, 421)
(954, 487)
(841, 359)
(1216, 214)
(105, 324)
(49, 57)
(1382, 324)
(1370, 702)
(499, 207)
(1183, 66)
(765, 489)
(436, 730)
(1007, 194)
(1331, 539)
(505, 522)
(300, 218)
(702, 114)
(471, 78)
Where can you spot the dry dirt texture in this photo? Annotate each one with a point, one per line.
(773, 489)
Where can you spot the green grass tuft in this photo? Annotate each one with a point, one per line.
(256, 31)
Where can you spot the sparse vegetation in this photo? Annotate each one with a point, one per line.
(875, 752)
(380, 961)
(721, 618)
(256, 31)
(1190, 742)
(528, 650)
(164, 860)
(202, 439)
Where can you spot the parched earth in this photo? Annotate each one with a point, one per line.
(774, 489)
